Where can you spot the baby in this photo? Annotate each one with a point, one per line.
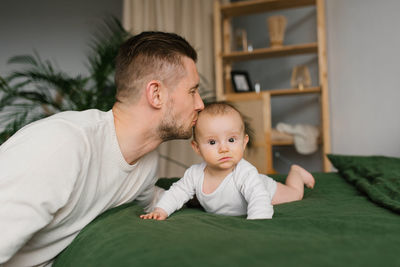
(225, 183)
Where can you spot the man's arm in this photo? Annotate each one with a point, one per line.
(150, 197)
(38, 172)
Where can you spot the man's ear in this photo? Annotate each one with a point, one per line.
(195, 147)
(154, 93)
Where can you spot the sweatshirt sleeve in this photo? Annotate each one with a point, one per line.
(179, 193)
(39, 167)
(151, 194)
(256, 194)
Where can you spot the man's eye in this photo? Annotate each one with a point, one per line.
(231, 139)
(211, 142)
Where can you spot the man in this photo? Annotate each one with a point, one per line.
(59, 173)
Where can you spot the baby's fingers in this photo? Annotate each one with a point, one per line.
(146, 216)
(153, 216)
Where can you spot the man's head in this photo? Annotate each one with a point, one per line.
(219, 136)
(149, 56)
(157, 70)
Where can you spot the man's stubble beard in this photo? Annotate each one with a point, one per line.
(169, 130)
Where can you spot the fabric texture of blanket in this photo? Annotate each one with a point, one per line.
(376, 176)
(334, 225)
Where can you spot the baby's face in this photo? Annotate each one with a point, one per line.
(220, 140)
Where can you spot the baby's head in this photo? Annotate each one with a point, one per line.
(219, 135)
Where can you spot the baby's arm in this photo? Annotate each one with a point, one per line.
(257, 196)
(173, 199)
(158, 214)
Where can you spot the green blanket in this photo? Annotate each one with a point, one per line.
(334, 225)
(376, 176)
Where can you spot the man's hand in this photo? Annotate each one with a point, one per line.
(158, 214)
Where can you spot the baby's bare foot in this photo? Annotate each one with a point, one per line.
(307, 177)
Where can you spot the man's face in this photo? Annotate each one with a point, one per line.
(183, 105)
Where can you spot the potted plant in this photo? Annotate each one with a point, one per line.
(38, 89)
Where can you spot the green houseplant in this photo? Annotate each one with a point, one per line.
(38, 89)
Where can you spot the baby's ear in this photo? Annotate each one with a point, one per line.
(195, 147)
(245, 141)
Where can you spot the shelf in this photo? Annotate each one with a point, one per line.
(257, 106)
(287, 50)
(284, 139)
(277, 139)
(277, 92)
(259, 6)
(280, 92)
(280, 139)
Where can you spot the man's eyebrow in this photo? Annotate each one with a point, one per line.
(196, 86)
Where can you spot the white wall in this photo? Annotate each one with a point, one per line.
(57, 30)
(364, 76)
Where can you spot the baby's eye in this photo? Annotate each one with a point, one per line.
(231, 140)
(211, 142)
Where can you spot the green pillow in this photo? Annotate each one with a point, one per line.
(376, 176)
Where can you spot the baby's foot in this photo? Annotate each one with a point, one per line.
(307, 177)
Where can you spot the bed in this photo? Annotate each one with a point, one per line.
(350, 218)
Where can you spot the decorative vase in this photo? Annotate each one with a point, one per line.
(276, 28)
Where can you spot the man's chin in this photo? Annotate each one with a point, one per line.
(174, 136)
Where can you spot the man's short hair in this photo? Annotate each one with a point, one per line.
(150, 55)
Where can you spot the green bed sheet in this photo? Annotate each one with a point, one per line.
(334, 225)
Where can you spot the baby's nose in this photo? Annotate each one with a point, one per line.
(223, 147)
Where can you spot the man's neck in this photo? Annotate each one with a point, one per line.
(135, 134)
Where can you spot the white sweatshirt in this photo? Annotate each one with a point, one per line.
(244, 191)
(56, 176)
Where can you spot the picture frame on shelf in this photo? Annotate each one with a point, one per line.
(241, 81)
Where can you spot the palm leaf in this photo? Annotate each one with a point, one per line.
(41, 87)
(101, 61)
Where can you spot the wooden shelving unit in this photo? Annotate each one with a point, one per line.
(288, 50)
(258, 105)
(259, 6)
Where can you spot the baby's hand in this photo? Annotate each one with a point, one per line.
(158, 214)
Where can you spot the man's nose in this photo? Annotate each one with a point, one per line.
(199, 105)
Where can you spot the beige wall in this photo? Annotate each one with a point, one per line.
(364, 76)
